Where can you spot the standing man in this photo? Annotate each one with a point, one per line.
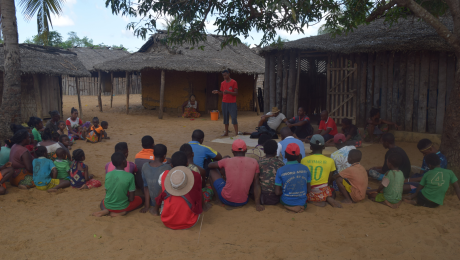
(229, 91)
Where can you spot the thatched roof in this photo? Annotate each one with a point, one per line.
(409, 34)
(154, 54)
(92, 56)
(47, 60)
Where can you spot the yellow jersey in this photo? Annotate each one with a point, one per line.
(320, 167)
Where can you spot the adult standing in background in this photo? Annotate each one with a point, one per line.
(229, 91)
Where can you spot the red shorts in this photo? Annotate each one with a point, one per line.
(136, 203)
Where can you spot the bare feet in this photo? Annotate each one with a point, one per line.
(295, 209)
(413, 202)
(153, 212)
(393, 206)
(347, 201)
(23, 187)
(112, 214)
(319, 204)
(101, 213)
(333, 202)
(225, 134)
(83, 187)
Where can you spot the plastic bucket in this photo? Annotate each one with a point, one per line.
(214, 116)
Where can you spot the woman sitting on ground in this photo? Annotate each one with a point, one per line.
(51, 146)
(54, 121)
(75, 128)
(376, 127)
(21, 160)
(190, 108)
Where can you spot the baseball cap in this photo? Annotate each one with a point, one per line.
(293, 149)
(317, 139)
(239, 145)
(339, 138)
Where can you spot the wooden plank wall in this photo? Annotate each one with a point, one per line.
(89, 86)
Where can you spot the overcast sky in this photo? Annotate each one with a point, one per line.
(92, 19)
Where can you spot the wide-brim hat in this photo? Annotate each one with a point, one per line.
(275, 110)
(179, 181)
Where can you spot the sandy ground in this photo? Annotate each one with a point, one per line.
(38, 225)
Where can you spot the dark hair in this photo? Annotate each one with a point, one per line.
(73, 110)
(355, 156)
(316, 147)
(432, 159)
(60, 152)
(179, 159)
(47, 134)
(291, 157)
(104, 123)
(263, 138)
(121, 147)
(197, 135)
(118, 159)
(424, 143)
(395, 160)
(18, 137)
(192, 95)
(33, 121)
(225, 71)
(389, 138)
(347, 121)
(147, 142)
(55, 136)
(14, 128)
(270, 147)
(8, 143)
(160, 150)
(374, 111)
(79, 154)
(41, 151)
(59, 122)
(302, 108)
(187, 149)
(61, 137)
(53, 113)
(95, 118)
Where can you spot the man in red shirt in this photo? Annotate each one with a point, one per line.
(327, 127)
(229, 91)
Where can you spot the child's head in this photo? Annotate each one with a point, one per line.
(122, 147)
(179, 159)
(61, 154)
(270, 147)
(198, 136)
(388, 139)
(354, 156)
(73, 113)
(119, 160)
(35, 122)
(187, 149)
(425, 146)
(41, 151)
(78, 155)
(61, 125)
(95, 121)
(104, 125)
(317, 143)
(55, 136)
(432, 160)
(394, 161)
(47, 136)
(263, 139)
(147, 142)
(64, 139)
(292, 152)
(160, 151)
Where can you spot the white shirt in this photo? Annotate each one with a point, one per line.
(274, 122)
(189, 105)
(280, 148)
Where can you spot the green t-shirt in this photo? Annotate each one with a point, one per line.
(435, 184)
(4, 155)
(63, 169)
(37, 135)
(393, 192)
(117, 184)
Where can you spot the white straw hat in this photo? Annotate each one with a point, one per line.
(179, 181)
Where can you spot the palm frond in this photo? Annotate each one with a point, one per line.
(44, 9)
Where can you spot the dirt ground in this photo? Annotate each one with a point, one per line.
(38, 225)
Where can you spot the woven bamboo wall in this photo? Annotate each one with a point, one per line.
(89, 86)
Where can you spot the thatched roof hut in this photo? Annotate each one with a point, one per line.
(42, 69)
(189, 70)
(92, 56)
(405, 69)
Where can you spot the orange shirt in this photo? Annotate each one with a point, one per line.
(145, 154)
(357, 176)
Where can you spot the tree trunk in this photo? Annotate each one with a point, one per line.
(11, 100)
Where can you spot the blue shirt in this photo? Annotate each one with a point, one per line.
(293, 178)
(290, 140)
(42, 171)
(201, 153)
(442, 165)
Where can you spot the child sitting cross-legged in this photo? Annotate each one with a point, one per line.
(79, 176)
(45, 173)
(292, 181)
(97, 132)
(62, 164)
(352, 181)
(118, 183)
(122, 147)
(434, 184)
(65, 143)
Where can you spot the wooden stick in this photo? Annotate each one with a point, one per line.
(111, 94)
(255, 94)
(127, 92)
(38, 99)
(78, 95)
(99, 98)
(296, 95)
(162, 94)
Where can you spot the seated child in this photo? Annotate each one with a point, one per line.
(6, 171)
(97, 132)
(142, 157)
(118, 183)
(392, 184)
(293, 181)
(352, 182)
(425, 146)
(45, 173)
(61, 128)
(322, 169)
(131, 167)
(62, 164)
(434, 184)
(151, 172)
(65, 144)
(181, 194)
(79, 176)
(268, 166)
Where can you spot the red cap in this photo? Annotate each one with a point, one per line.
(293, 149)
(239, 145)
(339, 137)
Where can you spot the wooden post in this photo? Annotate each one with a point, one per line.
(370, 83)
(389, 85)
(285, 83)
(99, 98)
(396, 76)
(402, 91)
(362, 96)
(111, 93)
(38, 96)
(450, 76)
(355, 87)
(291, 85)
(279, 79)
(328, 81)
(267, 85)
(77, 85)
(416, 90)
(127, 92)
(272, 78)
(162, 94)
(410, 82)
(377, 79)
(296, 95)
(434, 72)
(384, 85)
(423, 91)
(442, 89)
(256, 76)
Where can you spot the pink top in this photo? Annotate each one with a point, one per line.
(240, 173)
(16, 156)
(132, 168)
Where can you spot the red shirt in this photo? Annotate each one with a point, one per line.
(240, 173)
(330, 123)
(230, 86)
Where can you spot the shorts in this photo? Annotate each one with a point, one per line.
(53, 183)
(320, 195)
(136, 203)
(424, 202)
(376, 175)
(327, 137)
(219, 185)
(284, 204)
(229, 109)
